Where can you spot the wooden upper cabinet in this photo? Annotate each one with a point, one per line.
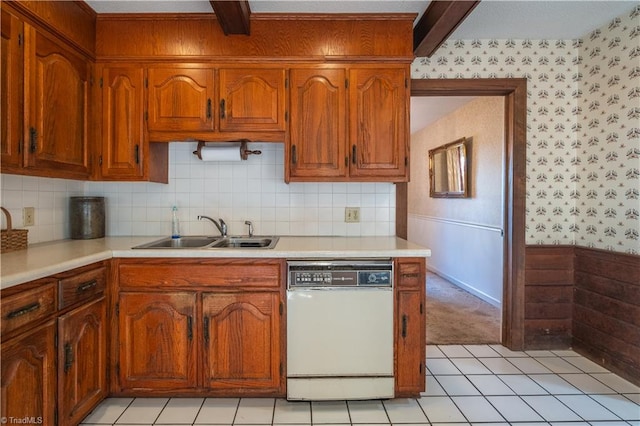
(181, 99)
(12, 78)
(156, 341)
(252, 99)
(57, 109)
(242, 340)
(379, 102)
(318, 131)
(123, 143)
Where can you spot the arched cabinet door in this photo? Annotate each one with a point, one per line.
(378, 105)
(57, 83)
(317, 144)
(181, 99)
(157, 347)
(242, 340)
(251, 99)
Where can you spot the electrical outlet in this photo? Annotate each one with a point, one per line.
(28, 216)
(352, 214)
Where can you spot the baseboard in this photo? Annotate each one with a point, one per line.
(466, 287)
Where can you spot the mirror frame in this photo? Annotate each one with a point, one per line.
(460, 146)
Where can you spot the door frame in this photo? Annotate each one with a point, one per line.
(514, 91)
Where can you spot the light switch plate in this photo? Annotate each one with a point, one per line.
(352, 214)
(28, 216)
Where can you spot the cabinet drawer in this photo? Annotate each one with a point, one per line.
(233, 273)
(27, 306)
(410, 274)
(82, 286)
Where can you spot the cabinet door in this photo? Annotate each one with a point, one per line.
(242, 340)
(252, 99)
(180, 99)
(12, 62)
(82, 361)
(410, 327)
(29, 376)
(317, 144)
(123, 144)
(58, 107)
(378, 118)
(157, 349)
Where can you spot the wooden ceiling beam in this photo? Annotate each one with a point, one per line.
(438, 22)
(232, 15)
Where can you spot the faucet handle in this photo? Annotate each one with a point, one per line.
(223, 226)
(250, 225)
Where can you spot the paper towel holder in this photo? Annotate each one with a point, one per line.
(244, 152)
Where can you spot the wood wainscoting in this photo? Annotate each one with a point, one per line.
(606, 310)
(587, 299)
(548, 296)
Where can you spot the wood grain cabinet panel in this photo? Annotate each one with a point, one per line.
(251, 99)
(156, 348)
(318, 135)
(123, 142)
(82, 360)
(12, 79)
(242, 340)
(29, 376)
(57, 107)
(349, 124)
(378, 119)
(410, 327)
(181, 99)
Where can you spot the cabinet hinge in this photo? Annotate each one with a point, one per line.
(117, 309)
(146, 83)
(281, 308)
(146, 116)
(286, 116)
(420, 369)
(101, 82)
(346, 83)
(100, 160)
(20, 39)
(420, 308)
(406, 161)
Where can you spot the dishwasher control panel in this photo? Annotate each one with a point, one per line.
(342, 273)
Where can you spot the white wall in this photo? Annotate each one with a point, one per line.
(249, 190)
(464, 234)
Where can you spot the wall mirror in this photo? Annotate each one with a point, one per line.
(448, 170)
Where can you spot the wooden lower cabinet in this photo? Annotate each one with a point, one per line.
(29, 377)
(82, 355)
(242, 340)
(157, 349)
(206, 327)
(410, 326)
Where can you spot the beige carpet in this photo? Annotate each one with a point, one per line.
(455, 316)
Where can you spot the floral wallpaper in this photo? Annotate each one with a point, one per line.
(583, 127)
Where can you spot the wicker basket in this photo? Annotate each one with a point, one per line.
(12, 239)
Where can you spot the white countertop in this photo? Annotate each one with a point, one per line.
(44, 259)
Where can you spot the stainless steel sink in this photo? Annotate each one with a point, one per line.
(246, 242)
(186, 242)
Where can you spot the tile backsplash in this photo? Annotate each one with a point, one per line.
(235, 191)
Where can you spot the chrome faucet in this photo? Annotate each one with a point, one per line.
(222, 227)
(250, 225)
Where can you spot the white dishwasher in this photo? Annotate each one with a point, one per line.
(340, 329)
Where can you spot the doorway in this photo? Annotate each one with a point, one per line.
(514, 92)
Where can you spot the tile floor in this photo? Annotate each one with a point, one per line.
(479, 384)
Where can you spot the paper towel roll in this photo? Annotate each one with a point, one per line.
(220, 153)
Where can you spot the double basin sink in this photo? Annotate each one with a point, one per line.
(202, 242)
